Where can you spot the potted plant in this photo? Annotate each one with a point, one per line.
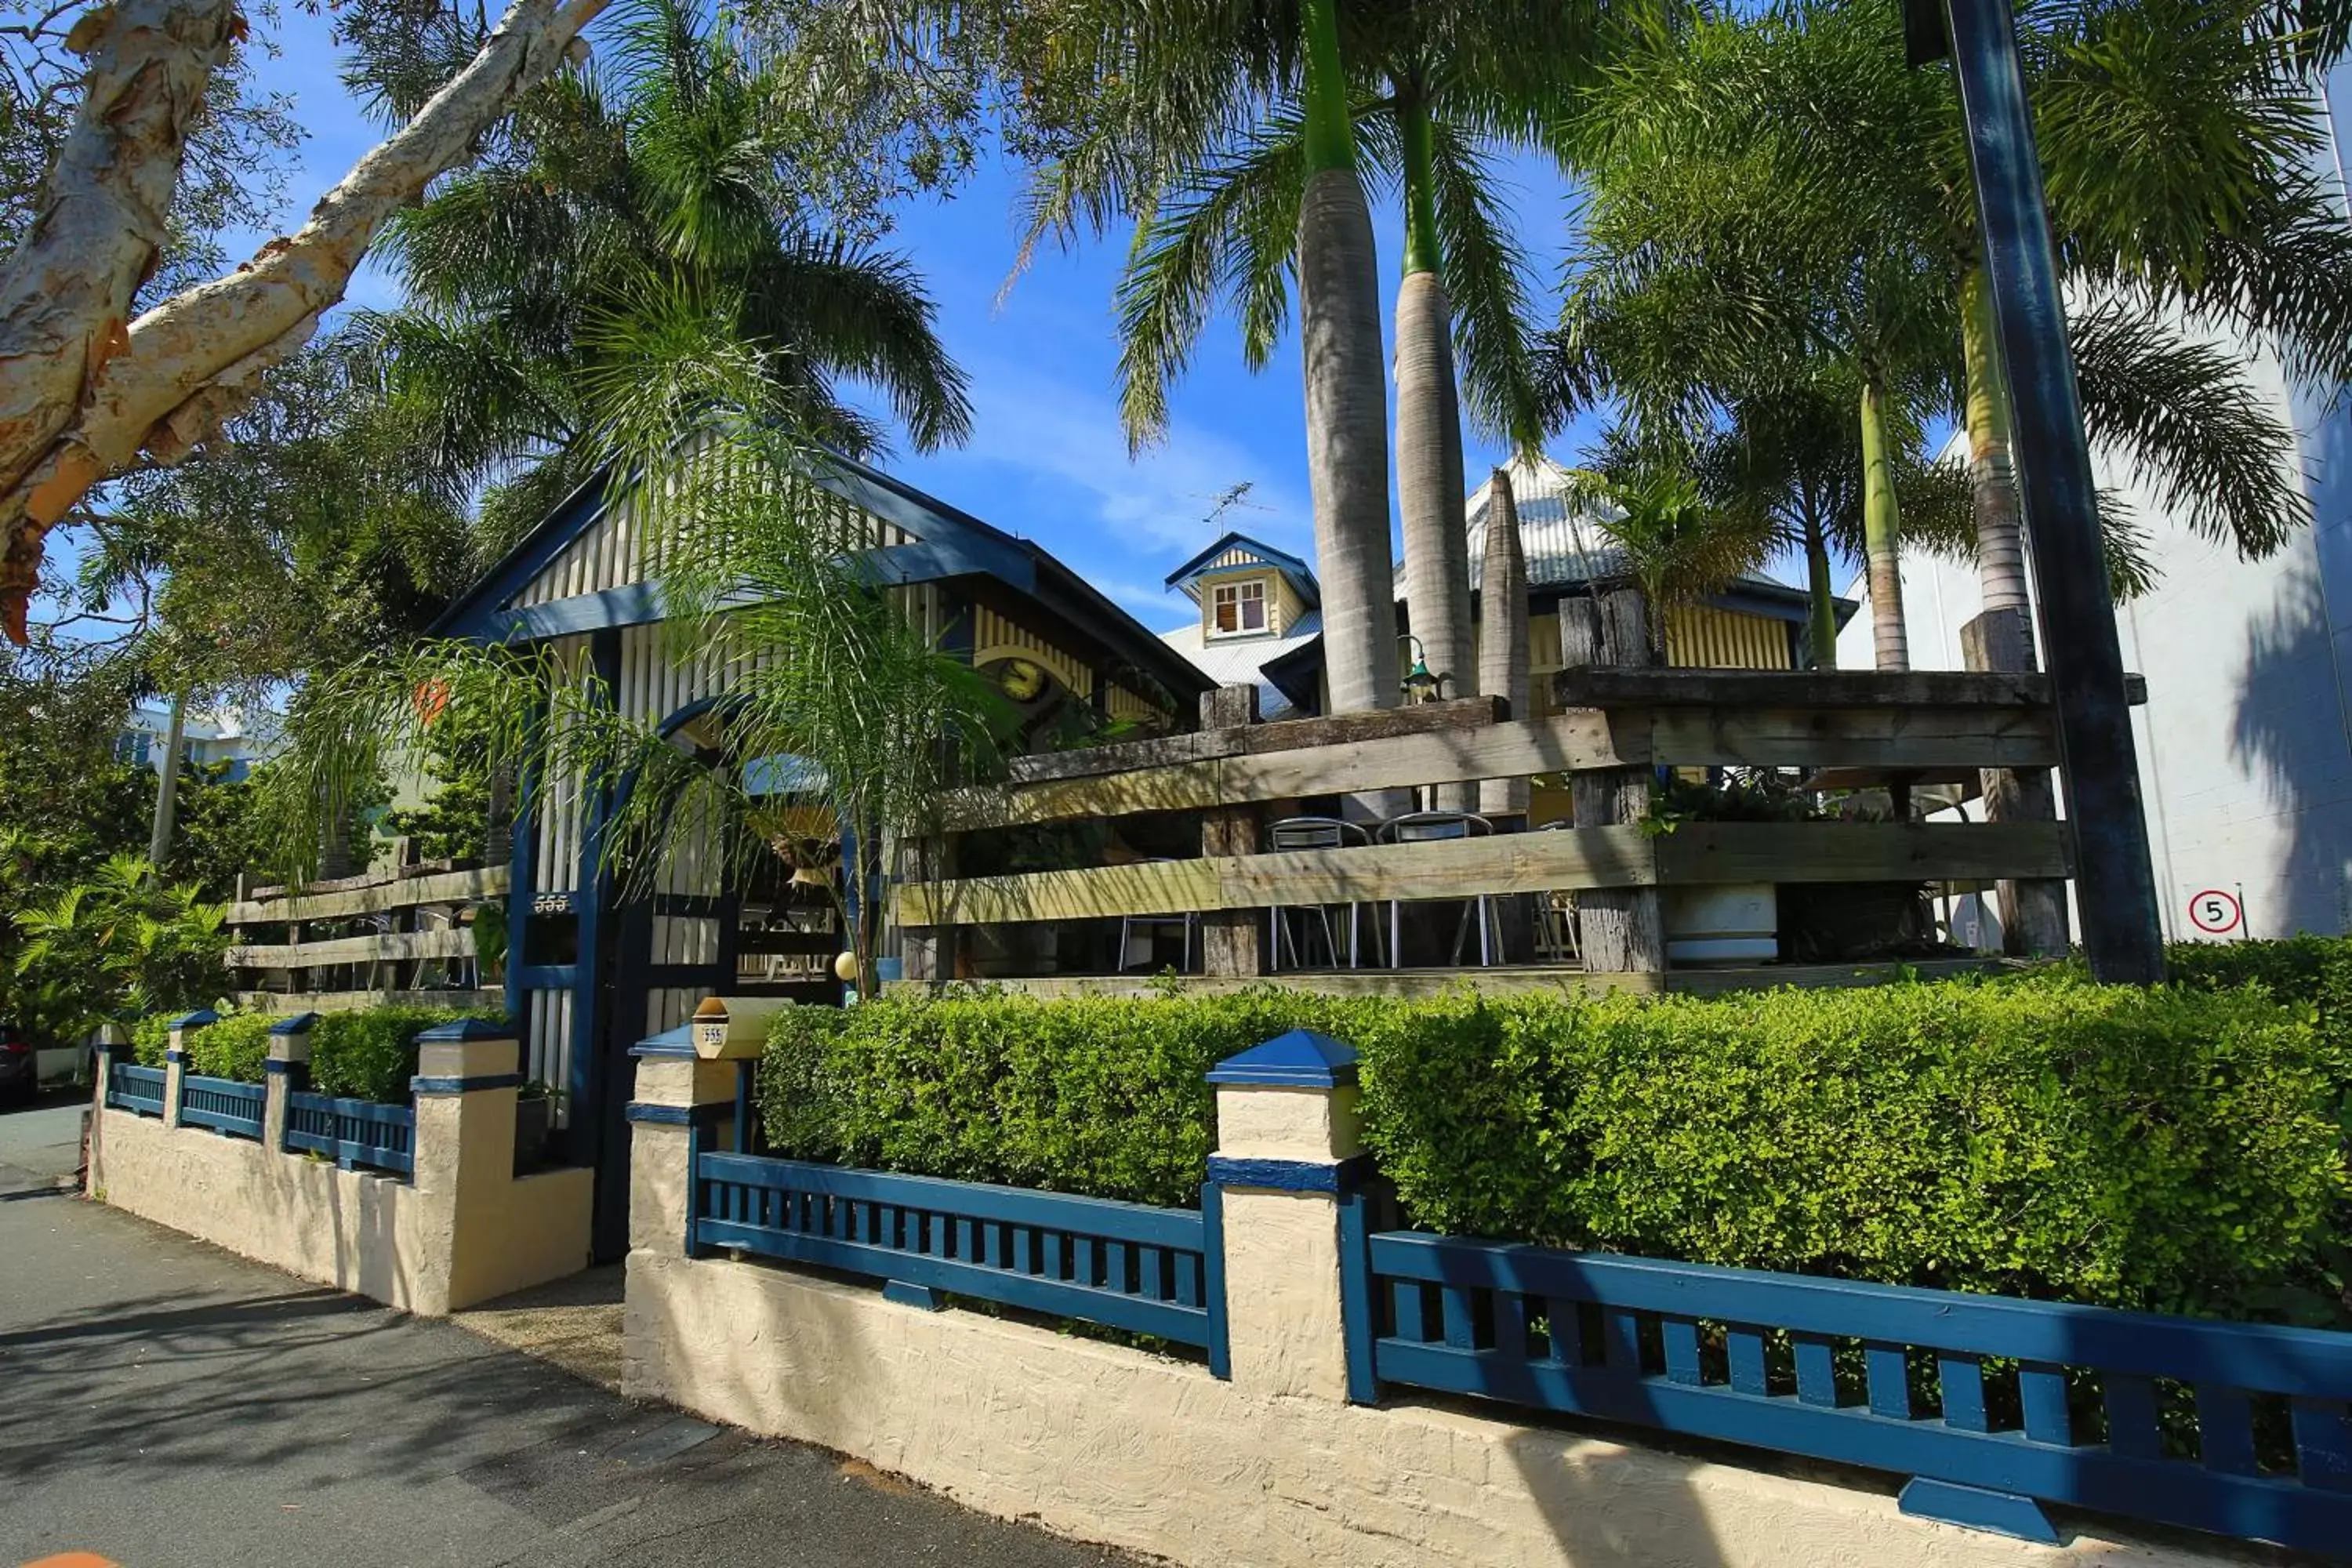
(534, 1118)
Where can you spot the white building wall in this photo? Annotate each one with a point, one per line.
(2245, 744)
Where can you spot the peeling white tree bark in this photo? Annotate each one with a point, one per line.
(193, 360)
(65, 295)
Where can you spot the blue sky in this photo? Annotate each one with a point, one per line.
(1047, 458)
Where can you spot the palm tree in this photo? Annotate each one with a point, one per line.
(1712, 275)
(2173, 135)
(1672, 542)
(1236, 139)
(630, 215)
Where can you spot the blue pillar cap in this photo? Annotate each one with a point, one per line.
(677, 1042)
(1300, 1059)
(195, 1020)
(461, 1031)
(299, 1024)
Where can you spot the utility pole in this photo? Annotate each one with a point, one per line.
(167, 785)
(2115, 882)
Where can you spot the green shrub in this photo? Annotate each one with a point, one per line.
(2171, 1150)
(233, 1049)
(372, 1054)
(1094, 1095)
(2175, 1150)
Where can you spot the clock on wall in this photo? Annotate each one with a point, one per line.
(1020, 680)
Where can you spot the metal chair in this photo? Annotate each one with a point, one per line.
(1187, 923)
(1313, 833)
(1429, 826)
(1558, 937)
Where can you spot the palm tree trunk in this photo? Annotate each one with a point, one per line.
(1882, 523)
(1347, 391)
(2008, 628)
(1429, 434)
(1503, 645)
(167, 786)
(2033, 918)
(1821, 600)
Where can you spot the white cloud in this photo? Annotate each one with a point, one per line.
(1155, 504)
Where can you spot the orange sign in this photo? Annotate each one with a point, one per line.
(431, 700)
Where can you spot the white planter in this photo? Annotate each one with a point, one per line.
(1735, 922)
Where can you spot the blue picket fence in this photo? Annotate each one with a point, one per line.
(129, 1086)
(221, 1104)
(1126, 1266)
(1986, 1400)
(354, 1133)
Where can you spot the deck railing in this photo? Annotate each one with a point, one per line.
(1123, 1265)
(221, 1104)
(354, 1133)
(1614, 727)
(1990, 1404)
(129, 1086)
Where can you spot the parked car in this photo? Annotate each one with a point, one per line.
(19, 1068)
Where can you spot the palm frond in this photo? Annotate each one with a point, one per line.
(2209, 445)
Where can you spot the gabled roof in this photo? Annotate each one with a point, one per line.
(1251, 552)
(948, 542)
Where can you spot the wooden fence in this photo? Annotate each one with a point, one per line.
(397, 935)
(1614, 729)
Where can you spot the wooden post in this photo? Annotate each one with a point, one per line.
(2033, 914)
(1619, 927)
(1229, 938)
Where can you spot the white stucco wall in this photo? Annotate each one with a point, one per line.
(2245, 744)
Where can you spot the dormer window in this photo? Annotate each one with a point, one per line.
(1236, 609)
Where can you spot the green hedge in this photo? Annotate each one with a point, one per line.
(233, 1049)
(372, 1054)
(1094, 1095)
(2178, 1150)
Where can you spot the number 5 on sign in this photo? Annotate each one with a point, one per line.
(2216, 913)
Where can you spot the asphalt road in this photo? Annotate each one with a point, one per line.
(40, 1144)
(167, 1405)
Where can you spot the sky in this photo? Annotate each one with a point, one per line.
(1047, 457)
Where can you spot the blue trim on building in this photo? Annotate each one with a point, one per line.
(1291, 1175)
(1300, 1059)
(421, 1086)
(1301, 575)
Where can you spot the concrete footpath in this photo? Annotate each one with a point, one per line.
(167, 1405)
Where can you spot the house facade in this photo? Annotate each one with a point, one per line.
(590, 972)
(1260, 619)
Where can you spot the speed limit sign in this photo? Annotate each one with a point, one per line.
(2216, 913)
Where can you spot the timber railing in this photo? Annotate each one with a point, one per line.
(1614, 727)
(392, 936)
(357, 1134)
(1990, 1404)
(1123, 1265)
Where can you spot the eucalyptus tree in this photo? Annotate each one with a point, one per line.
(638, 204)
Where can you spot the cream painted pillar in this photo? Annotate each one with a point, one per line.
(673, 1084)
(113, 1045)
(289, 1060)
(175, 1059)
(1288, 1149)
(465, 1085)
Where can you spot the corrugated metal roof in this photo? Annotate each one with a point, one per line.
(1560, 534)
(1237, 661)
